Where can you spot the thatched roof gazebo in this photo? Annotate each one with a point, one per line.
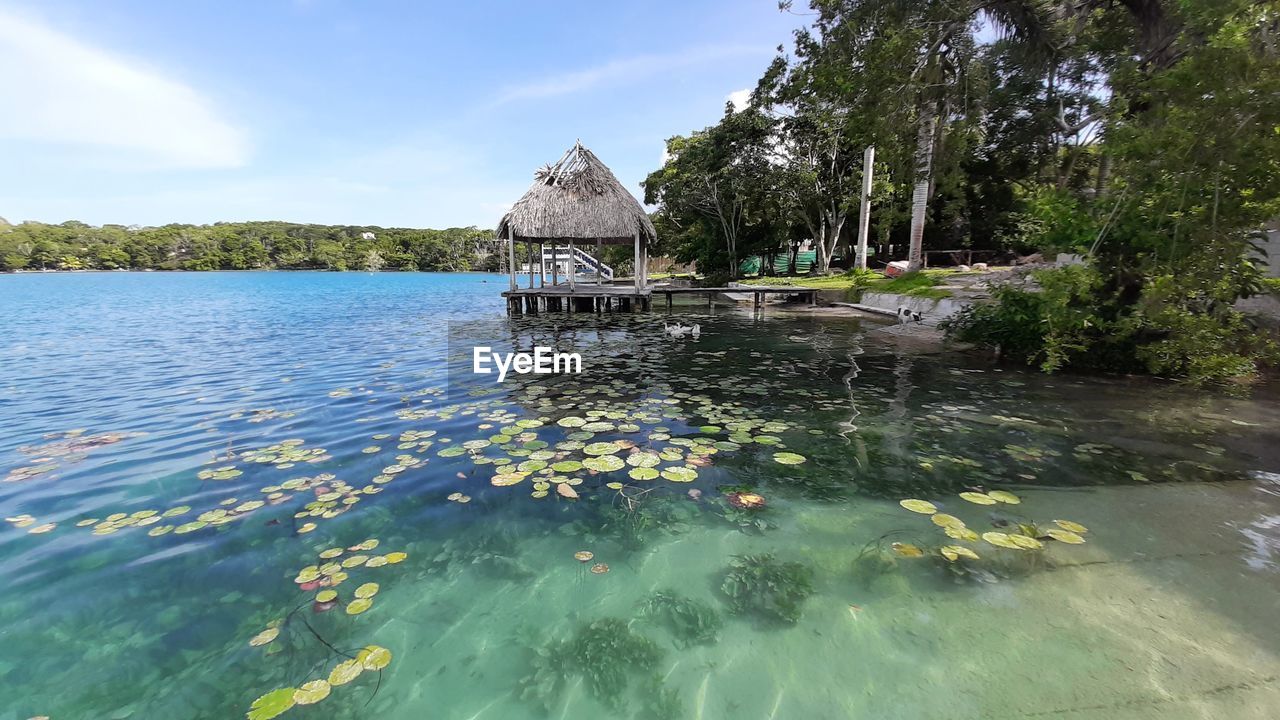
(577, 199)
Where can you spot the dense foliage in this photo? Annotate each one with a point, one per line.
(1139, 134)
(242, 246)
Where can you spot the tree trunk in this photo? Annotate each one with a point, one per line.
(1104, 175)
(925, 139)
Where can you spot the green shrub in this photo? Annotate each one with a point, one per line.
(1052, 328)
(1181, 325)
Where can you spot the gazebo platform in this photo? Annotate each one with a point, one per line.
(627, 298)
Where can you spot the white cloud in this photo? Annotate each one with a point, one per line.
(65, 92)
(622, 71)
(739, 98)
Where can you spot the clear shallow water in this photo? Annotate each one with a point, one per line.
(1166, 611)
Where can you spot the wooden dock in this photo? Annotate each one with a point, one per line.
(628, 298)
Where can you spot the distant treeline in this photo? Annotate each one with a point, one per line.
(243, 246)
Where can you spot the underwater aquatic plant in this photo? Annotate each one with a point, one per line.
(605, 653)
(765, 586)
(746, 500)
(690, 621)
(496, 554)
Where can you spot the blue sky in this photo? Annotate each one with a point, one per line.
(381, 113)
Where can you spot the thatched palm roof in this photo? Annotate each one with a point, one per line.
(577, 198)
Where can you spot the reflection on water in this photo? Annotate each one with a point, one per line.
(275, 493)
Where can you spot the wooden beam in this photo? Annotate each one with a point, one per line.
(644, 264)
(511, 256)
(573, 265)
(555, 265)
(635, 264)
(530, 244)
(599, 263)
(542, 264)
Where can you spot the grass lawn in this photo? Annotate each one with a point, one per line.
(918, 284)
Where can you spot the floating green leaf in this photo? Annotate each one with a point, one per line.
(311, 692)
(602, 448)
(947, 521)
(271, 705)
(954, 552)
(680, 474)
(643, 473)
(1004, 497)
(374, 657)
(604, 463)
(978, 498)
(1070, 526)
(345, 671)
(1065, 536)
(264, 637)
(924, 507)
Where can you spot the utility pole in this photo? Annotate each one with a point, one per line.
(864, 213)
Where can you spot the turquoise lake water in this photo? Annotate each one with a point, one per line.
(287, 488)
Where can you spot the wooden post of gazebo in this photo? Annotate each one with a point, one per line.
(511, 257)
(573, 266)
(637, 268)
(599, 263)
(530, 244)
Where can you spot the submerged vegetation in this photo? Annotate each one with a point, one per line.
(607, 654)
(690, 621)
(763, 586)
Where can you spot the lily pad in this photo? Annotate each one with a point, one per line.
(604, 463)
(961, 533)
(374, 657)
(644, 459)
(978, 498)
(601, 448)
(1025, 542)
(1070, 526)
(507, 479)
(264, 637)
(367, 590)
(1004, 497)
(680, 474)
(345, 671)
(357, 606)
(788, 458)
(271, 705)
(1000, 539)
(1065, 536)
(312, 692)
(643, 473)
(924, 507)
(945, 520)
(954, 552)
